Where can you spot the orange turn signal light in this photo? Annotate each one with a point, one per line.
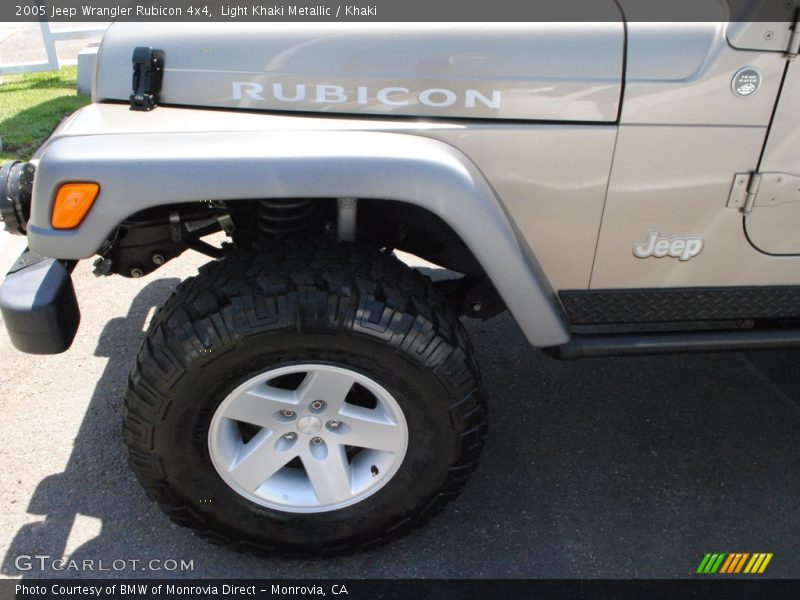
(72, 204)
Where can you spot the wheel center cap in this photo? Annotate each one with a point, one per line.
(309, 425)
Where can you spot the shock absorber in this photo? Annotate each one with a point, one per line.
(283, 217)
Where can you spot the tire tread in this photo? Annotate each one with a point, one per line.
(303, 287)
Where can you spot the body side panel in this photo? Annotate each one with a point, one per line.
(681, 74)
(552, 180)
(683, 136)
(676, 181)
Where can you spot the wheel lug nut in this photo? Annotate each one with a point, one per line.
(318, 404)
(316, 441)
(333, 424)
(289, 436)
(287, 413)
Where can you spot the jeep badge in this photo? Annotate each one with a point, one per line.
(682, 247)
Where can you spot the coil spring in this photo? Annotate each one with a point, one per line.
(284, 217)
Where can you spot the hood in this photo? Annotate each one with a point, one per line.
(530, 71)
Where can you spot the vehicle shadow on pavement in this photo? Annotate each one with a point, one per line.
(93, 471)
(598, 468)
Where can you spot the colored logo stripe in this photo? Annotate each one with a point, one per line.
(734, 563)
(710, 563)
(731, 563)
(758, 563)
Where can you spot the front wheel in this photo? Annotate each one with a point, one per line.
(304, 400)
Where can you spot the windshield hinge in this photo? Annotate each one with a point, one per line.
(148, 71)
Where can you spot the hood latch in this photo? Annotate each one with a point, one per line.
(148, 72)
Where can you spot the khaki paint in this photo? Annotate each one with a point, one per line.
(676, 180)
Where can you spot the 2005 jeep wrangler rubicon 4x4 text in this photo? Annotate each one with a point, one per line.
(619, 187)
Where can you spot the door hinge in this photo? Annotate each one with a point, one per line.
(794, 41)
(750, 190)
(148, 73)
(744, 191)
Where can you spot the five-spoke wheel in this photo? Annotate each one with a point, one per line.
(308, 438)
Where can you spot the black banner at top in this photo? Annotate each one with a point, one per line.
(366, 11)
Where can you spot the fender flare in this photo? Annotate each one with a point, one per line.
(139, 171)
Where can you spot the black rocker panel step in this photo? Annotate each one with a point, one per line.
(595, 307)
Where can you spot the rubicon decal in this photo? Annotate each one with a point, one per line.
(734, 563)
(390, 96)
(682, 247)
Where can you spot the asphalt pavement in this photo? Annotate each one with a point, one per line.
(603, 468)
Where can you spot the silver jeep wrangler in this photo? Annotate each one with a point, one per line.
(620, 187)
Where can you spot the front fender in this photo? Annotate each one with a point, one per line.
(142, 170)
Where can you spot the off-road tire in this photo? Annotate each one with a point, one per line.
(342, 305)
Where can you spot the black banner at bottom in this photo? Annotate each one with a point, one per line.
(356, 589)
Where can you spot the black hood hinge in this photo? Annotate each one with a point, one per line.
(148, 72)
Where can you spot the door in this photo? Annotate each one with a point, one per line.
(773, 223)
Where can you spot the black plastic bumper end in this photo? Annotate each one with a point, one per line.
(38, 304)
